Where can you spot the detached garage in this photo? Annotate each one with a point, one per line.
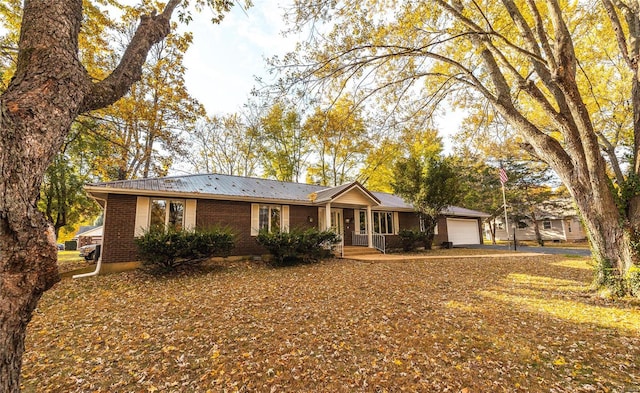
(462, 226)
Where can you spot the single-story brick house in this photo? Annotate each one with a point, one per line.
(557, 221)
(246, 205)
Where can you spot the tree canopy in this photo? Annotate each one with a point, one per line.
(549, 69)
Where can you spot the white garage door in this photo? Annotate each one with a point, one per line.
(463, 231)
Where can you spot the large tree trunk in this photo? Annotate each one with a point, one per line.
(610, 240)
(49, 89)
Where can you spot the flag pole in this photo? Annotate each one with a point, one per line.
(503, 179)
(506, 221)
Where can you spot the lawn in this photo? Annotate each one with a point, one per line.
(465, 325)
(71, 260)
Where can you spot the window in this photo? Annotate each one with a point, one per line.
(569, 225)
(166, 213)
(423, 225)
(383, 223)
(522, 225)
(363, 222)
(270, 218)
(546, 224)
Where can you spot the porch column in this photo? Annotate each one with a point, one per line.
(327, 216)
(369, 227)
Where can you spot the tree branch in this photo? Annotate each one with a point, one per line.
(152, 29)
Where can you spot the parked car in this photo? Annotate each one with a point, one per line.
(88, 251)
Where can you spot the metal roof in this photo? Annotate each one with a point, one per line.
(237, 187)
(461, 211)
(218, 185)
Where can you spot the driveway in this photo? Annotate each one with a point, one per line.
(585, 252)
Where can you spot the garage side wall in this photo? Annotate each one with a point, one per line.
(119, 222)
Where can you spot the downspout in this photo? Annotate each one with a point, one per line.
(95, 272)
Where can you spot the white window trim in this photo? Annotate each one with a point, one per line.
(143, 214)
(255, 217)
(394, 222)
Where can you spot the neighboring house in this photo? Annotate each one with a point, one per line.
(88, 235)
(557, 220)
(247, 205)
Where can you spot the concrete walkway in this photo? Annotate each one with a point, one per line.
(585, 252)
(405, 257)
(523, 251)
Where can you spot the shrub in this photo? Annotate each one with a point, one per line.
(169, 248)
(410, 238)
(634, 280)
(298, 245)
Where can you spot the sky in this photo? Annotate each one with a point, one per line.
(225, 58)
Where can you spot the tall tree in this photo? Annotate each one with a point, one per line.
(430, 186)
(378, 170)
(284, 143)
(49, 89)
(559, 74)
(227, 145)
(340, 141)
(527, 189)
(145, 128)
(480, 189)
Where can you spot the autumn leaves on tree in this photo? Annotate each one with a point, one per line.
(549, 70)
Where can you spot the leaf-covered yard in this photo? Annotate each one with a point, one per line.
(465, 325)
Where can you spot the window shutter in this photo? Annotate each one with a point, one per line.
(255, 219)
(321, 219)
(142, 216)
(396, 223)
(285, 218)
(356, 220)
(190, 214)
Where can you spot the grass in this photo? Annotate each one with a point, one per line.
(527, 324)
(69, 261)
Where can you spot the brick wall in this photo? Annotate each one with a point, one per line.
(233, 215)
(408, 220)
(443, 234)
(299, 217)
(119, 222)
(237, 216)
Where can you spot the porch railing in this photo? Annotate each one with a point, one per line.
(338, 248)
(379, 242)
(359, 239)
(362, 239)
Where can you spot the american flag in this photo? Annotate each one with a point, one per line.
(503, 176)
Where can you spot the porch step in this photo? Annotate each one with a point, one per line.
(349, 251)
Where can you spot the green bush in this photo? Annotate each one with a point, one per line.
(411, 238)
(169, 248)
(298, 245)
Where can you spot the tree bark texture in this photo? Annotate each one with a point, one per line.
(49, 89)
